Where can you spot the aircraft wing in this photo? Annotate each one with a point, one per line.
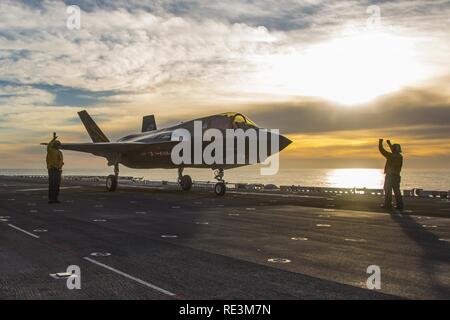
(105, 149)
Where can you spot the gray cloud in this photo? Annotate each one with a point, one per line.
(409, 107)
(273, 14)
(146, 45)
(122, 50)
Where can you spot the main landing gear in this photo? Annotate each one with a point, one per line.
(220, 188)
(185, 182)
(113, 179)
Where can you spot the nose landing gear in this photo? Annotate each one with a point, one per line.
(220, 188)
(185, 182)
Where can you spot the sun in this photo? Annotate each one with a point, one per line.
(349, 69)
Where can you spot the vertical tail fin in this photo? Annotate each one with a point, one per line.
(94, 131)
(148, 123)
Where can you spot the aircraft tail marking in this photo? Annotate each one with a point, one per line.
(94, 131)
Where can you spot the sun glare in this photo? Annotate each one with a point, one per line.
(349, 70)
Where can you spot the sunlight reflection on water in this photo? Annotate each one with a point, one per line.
(349, 178)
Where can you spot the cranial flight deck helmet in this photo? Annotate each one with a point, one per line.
(397, 148)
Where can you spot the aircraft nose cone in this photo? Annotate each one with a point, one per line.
(284, 142)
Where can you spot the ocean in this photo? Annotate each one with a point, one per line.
(343, 178)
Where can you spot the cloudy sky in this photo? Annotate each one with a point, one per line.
(333, 75)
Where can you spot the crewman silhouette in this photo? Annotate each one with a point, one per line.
(392, 170)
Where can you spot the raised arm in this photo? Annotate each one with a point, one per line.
(50, 144)
(390, 145)
(385, 153)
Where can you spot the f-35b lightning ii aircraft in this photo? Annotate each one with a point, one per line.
(152, 148)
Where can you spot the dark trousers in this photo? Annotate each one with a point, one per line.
(392, 183)
(54, 182)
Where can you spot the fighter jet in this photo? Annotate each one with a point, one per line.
(152, 147)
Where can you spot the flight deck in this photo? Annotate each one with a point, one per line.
(157, 242)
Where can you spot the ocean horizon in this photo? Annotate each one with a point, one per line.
(437, 179)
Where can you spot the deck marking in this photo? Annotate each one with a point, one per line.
(323, 225)
(145, 283)
(45, 189)
(60, 275)
(100, 254)
(24, 231)
(279, 260)
(299, 239)
(354, 240)
(169, 236)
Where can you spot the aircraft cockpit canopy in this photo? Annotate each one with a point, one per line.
(234, 120)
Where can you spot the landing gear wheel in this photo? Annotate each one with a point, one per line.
(111, 183)
(186, 183)
(220, 189)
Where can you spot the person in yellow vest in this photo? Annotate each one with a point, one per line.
(54, 166)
